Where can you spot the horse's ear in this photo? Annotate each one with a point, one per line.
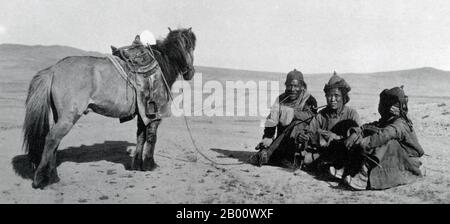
(114, 49)
(169, 29)
(190, 29)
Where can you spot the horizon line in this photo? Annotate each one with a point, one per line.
(238, 69)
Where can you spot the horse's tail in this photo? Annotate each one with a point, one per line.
(36, 123)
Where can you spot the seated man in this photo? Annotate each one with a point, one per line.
(294, 107)
(323, 136)
(389, 146)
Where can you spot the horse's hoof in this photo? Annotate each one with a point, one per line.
(40, 185)
(53, 176)
(149, 166)
(136, 163)
(134, 166)
(39, 181)
(53, 179)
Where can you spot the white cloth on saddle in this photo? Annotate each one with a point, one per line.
(147, 37)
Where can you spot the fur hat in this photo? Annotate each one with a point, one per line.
(337, 82)
(294, 75)
(392, 96)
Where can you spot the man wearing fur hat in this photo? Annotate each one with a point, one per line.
(386, 152)
(295, 107)
(324, 137)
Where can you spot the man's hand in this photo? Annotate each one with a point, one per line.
(351, 140)
(266, 142)
(302, 137)
(330, 136)
(327, 137)
(394, 110)
(333, 137)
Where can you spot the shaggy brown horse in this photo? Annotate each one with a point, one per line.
(76, 85)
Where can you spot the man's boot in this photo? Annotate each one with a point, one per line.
(260, 158)
(360, 180)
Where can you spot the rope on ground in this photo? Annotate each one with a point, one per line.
(202, 154)
(190, 132)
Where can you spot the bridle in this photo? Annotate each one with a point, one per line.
(187, 69)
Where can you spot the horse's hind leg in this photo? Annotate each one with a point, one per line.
(149, 149)
(46, 172)
(136, 158)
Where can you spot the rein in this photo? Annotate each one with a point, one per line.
(186, 122)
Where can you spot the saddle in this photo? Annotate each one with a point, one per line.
(139, 58)
(142, 66)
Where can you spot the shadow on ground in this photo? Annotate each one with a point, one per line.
(321, 173)
(242, 156)
(318, 173)
(111, 151)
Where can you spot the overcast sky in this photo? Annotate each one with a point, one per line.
(311, 35)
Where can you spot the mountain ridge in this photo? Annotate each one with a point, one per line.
(58, 50)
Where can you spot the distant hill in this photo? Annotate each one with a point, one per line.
(235, 74)
(425, 81)
(21, 62)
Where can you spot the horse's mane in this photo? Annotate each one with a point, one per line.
(172, 52)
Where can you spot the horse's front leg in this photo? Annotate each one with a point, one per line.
(136, 155)
(149, 148)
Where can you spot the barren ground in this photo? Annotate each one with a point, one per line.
(94, 162)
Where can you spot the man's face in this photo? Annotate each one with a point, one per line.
(293, 89)
(334, 99)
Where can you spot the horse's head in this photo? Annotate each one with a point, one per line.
(180, 46)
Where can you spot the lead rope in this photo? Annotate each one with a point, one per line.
(193, 141)
(189, 129)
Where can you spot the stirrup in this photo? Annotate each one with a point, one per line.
(150, 110)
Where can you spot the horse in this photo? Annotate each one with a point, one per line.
(77, 85)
